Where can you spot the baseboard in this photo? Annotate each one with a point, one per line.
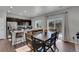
(69, 42)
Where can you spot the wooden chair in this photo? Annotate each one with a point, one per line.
(29, 39)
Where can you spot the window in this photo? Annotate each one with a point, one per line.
(38, 24)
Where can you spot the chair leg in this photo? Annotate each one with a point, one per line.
(55, 48)
(44, 49)
(47, 48)
(40, 50)
(52, 50)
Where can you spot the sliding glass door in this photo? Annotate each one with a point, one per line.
(56, 22)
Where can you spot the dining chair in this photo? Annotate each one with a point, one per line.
(51, 42)
(29, 40)
(38, 45)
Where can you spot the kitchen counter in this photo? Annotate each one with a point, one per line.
(28, 30)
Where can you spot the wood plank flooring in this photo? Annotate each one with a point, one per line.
(5, 46)
(65, 46)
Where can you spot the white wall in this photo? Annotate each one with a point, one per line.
(2, 25)
(73, 18)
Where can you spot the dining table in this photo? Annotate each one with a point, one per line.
(43, 36)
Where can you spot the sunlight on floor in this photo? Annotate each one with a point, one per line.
(60, 36)
(23, 49)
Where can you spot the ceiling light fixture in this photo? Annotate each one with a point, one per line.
(25, 11)
(11, 7)
(9, 11)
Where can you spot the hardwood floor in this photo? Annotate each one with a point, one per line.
(77, 47)
(5, 46)
(65, 46)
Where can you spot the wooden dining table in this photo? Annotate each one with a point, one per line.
(43, 36)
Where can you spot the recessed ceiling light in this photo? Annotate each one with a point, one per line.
(11, 7)
(25, 11)
(9, 11)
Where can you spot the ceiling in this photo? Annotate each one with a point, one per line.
(30, 11)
